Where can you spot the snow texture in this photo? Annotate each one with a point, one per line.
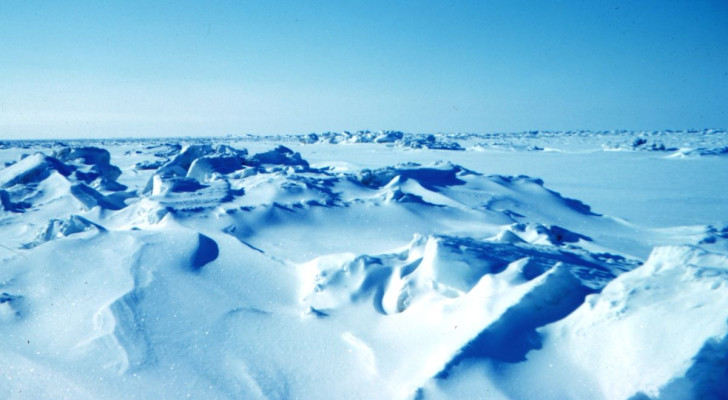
(362, 265)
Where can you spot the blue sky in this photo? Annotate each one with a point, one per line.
(108, 68)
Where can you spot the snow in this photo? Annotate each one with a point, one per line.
(650, 322)
(551, 265)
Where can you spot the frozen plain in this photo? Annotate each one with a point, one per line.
(541, 265)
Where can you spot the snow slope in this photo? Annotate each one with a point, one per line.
(360, 265)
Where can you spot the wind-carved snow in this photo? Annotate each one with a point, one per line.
(210, 271)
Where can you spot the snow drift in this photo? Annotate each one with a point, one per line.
(209, 271)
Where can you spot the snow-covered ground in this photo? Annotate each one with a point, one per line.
(366, 265)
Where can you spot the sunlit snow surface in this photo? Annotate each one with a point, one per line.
(367, 265)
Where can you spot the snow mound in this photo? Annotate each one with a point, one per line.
(137, 290)
(481, 300)
(446, 266)
(633, 320)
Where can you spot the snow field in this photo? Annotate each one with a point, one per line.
(207, 270)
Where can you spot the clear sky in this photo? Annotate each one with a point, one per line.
(143, 68)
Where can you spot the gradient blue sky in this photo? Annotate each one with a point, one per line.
(140, 68)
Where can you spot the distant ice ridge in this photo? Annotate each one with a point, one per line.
(674, 143)
(397, 138)
(677, 143)
(226, 274)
